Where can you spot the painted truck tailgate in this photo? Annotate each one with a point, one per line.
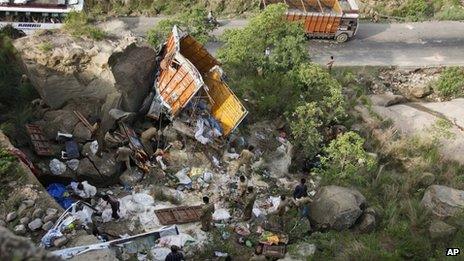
(226, 107)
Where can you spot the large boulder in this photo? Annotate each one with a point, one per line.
(439, 230)
(101, 255)
(336, 207)
(13, 247)
(83, 68)
(442, 201)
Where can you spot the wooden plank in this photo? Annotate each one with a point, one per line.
(41, 145)
(179, 215)
(274, 251)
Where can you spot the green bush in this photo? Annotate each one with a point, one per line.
(193, 21)
(451, 83)
(415, 10)
(305, 124)
(345, 161)
(78, 24)
(268, 29)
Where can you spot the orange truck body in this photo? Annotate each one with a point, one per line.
(336, 19)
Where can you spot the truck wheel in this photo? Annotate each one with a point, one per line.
(341, 38)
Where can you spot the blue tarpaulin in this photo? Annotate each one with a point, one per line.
(60, 194)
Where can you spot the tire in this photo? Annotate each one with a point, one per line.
(341, 38)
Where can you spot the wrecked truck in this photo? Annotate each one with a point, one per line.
(334, 19)
(190, 78)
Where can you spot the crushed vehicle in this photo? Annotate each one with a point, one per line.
(334, 19)
(190, 80)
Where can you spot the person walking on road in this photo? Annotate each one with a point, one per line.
(330, 64)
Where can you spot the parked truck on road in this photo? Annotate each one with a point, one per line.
(333, 19)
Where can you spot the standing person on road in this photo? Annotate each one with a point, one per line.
(330, 64)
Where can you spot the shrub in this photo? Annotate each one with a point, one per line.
(78, 24)
(345, 160)
(451, 83)
(192, 21)
(246, 47)
(305, 123)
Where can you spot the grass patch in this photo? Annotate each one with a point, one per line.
(45, 47)
(450, 84)
(78, 24)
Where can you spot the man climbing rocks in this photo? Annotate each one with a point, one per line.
(282, 209)
(123, 155)
(146, 138)
(246, 159)
(206, 214)
(175, 254)
(99, 135)
(301, 190)
(247, 213)
(114, 203)
(242, 187)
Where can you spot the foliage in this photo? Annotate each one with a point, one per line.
(345, 160)
(246, 47)
(193, 21)
(305, 124)
(45, 47)
(317, 85)
(419, 10)
(451, 83)
(415, 10)
(78, 24)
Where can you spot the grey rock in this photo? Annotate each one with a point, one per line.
(81, 133)
(14, 247)
(442, 201)
(29, 202)
(130, 178)
(20, 229)
(22, 208)
(387, 99)
(35, 224)
(103, 255)
(439, 230)
(2, 223)
(38, 213)
(25, 220)
(421, 91)
(11, 216)
(49, 218)
(47, 226)
(366, 223)
(426, 179)
(336, 207)
(61, 241)
(51, 211)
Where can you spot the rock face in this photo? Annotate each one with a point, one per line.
(442, 201)
(19, 248)
(387, 99)
(439, 230)
(81, 68)
(336, 207)
(101, 255)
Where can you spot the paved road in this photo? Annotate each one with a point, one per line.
(401, 44)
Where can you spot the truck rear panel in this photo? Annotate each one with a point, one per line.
(316, 23)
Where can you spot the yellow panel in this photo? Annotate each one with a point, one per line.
(227, 108)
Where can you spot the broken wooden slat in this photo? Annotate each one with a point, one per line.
(178, 215)
(41, 145)
(274, 251)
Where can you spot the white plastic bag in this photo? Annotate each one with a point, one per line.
(183, 177)
(57, 167)
(94, 147)
(221, 214)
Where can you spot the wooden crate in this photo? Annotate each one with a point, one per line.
(178, 215)
(41, 145)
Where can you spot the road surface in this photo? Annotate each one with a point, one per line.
(397, 44)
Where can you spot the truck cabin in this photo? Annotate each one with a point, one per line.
(336, 19)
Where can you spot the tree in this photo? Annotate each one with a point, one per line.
(317, 85)
(305, 123)
(246, 47)
(193, 21)
(345, 160)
